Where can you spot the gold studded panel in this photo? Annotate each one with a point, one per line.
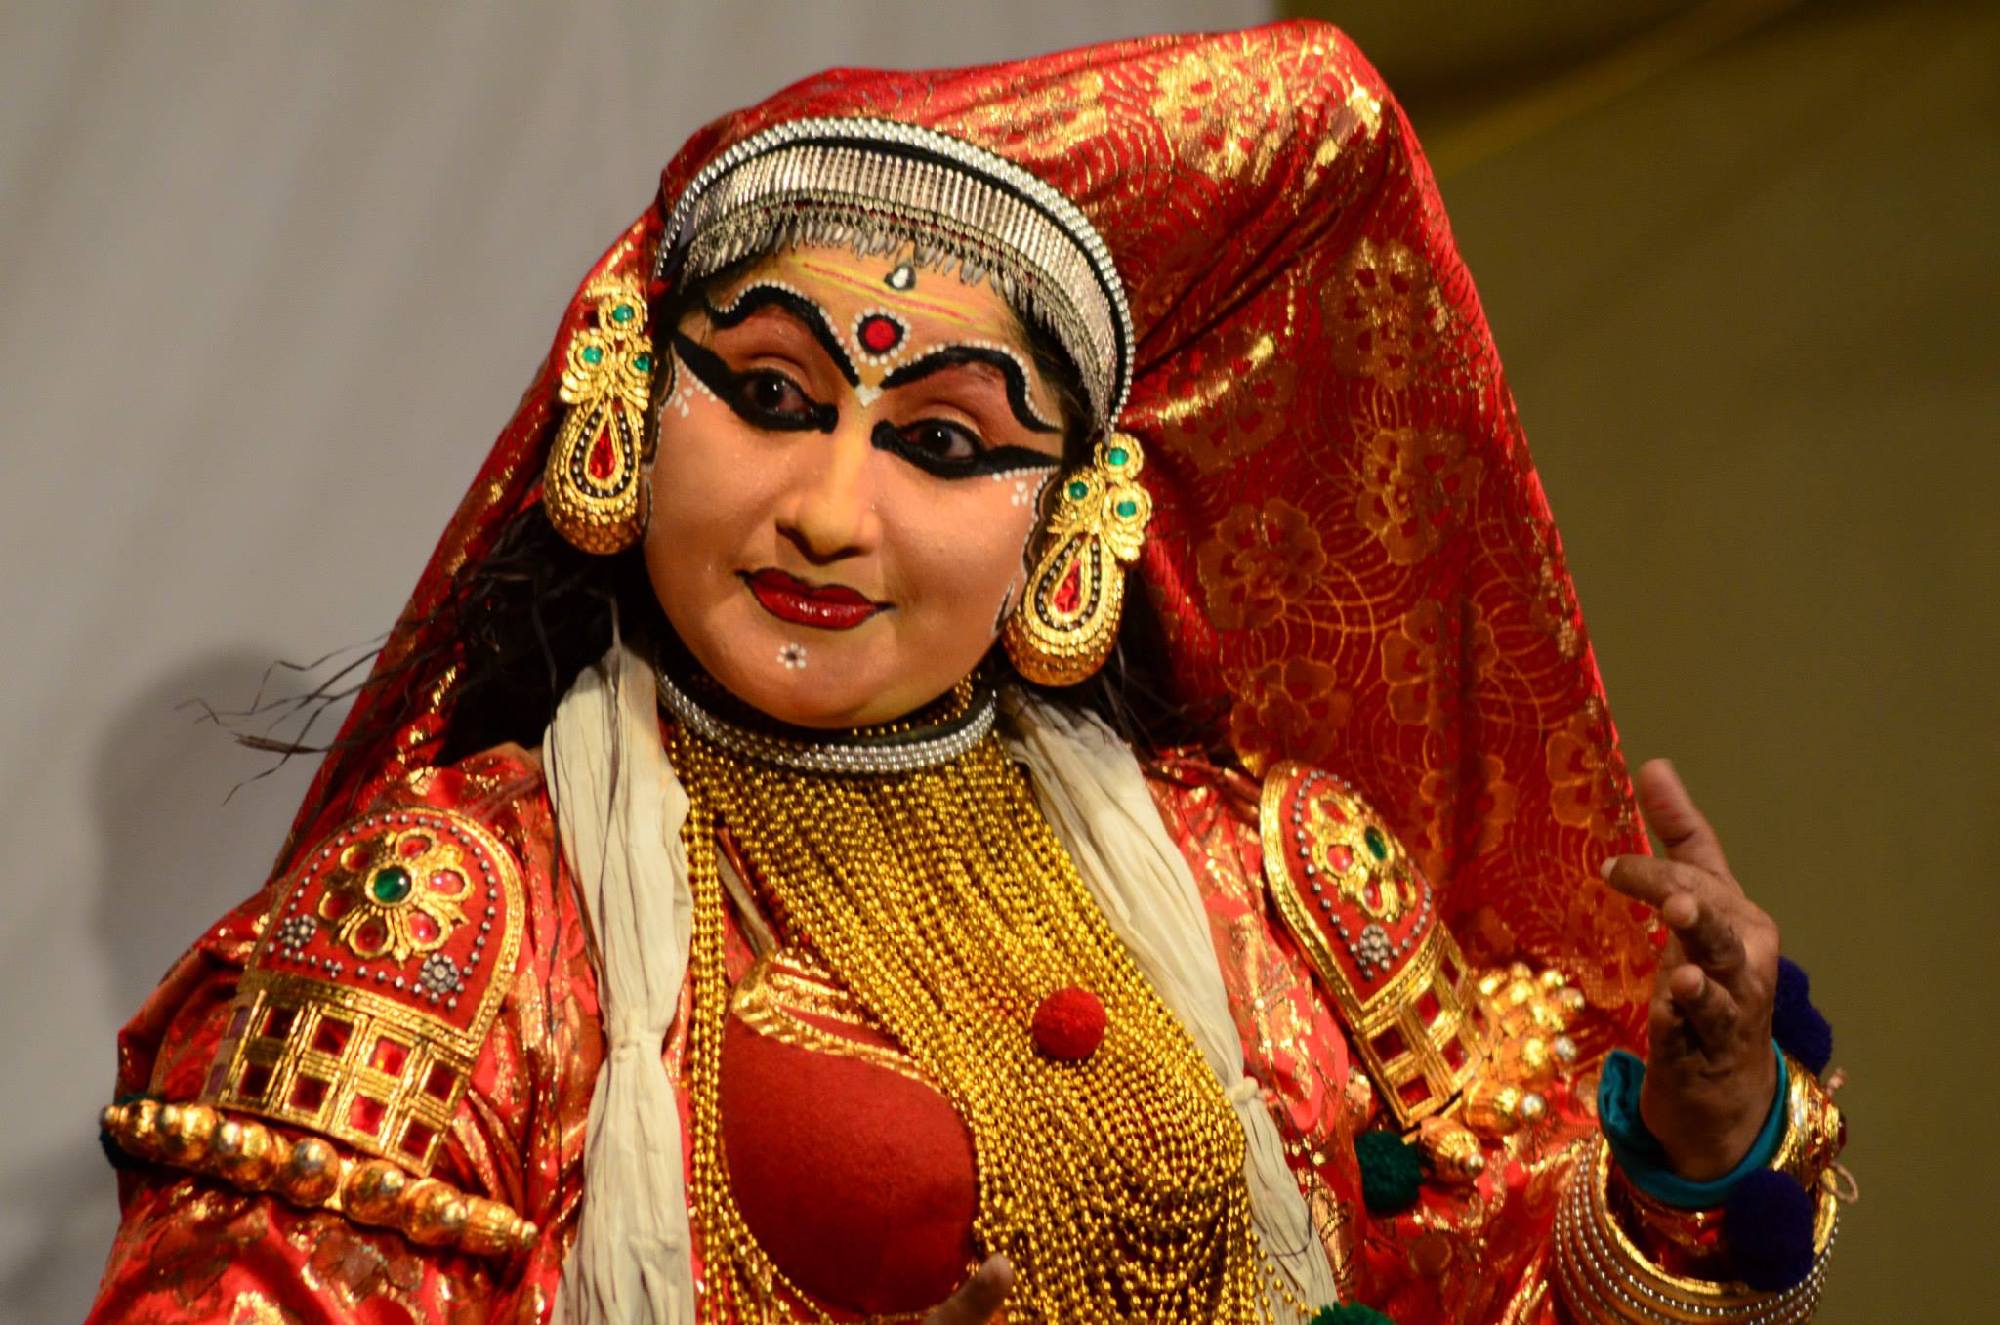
(371, 991)
(1367, 919)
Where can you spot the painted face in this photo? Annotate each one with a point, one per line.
(849, 471)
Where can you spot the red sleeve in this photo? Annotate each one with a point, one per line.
(195, 1248)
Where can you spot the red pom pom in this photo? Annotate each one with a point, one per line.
(1069, 1024)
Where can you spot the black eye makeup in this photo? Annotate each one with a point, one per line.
(948, 450)
(810, 315)
(953, 356)
(769, 399)
(762, 397)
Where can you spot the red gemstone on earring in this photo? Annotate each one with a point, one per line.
(1069, 1024)
(602, 461)
(880, 334)
(1070, 592)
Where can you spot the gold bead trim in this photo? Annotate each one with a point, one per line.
(312, 1174)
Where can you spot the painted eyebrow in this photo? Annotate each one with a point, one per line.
(761, 295)
(954, 356)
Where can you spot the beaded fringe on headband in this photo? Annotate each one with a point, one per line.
(879, 187)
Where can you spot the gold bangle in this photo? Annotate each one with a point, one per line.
(1606, 1280)
(311, 1174)
(1815, 1132)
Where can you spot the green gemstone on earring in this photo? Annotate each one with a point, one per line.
(1117, 456)
(390, 886)
(1127, 509)
(1378, 846)
(592, 354)
(643, 362)
(622, 313)
(1078, 490)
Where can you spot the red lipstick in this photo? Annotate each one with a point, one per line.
(826, 606)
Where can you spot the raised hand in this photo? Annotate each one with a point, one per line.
(978, 1302)
(1710, 1074)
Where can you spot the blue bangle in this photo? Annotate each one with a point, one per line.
(1642, 1157)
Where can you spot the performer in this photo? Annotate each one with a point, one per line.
(1003, 735)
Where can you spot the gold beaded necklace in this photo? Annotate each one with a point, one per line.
(944, 902)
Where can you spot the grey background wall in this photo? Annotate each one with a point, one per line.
(271, 276)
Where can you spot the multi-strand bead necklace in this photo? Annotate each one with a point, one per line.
(943, 901)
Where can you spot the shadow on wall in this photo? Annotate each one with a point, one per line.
(178, 850)
(188, 827)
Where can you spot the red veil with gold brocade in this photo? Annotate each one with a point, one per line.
(1349, 544)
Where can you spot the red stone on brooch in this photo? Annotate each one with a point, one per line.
(1069, 1024)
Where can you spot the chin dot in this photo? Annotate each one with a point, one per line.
(792, 655)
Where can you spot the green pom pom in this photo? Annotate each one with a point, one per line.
(1390, 1172)
(1349, 1313)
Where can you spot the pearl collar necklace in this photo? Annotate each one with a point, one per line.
(897, 748)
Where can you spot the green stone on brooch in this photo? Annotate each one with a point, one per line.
(622, 314)
(390, 886)
(1079, 490)
(643, 362)
(1117, 456)
(593, 355)
(1378, 846)
(1127, 509)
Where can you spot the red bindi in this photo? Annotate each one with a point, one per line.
(879, 333)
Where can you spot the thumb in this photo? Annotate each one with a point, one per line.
(981, 1297)
(1670, 812)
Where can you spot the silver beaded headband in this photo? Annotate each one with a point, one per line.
(890, 754)
(877, 186)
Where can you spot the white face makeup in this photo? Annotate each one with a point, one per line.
(821, 539)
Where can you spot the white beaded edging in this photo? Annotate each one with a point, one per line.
(833, 756)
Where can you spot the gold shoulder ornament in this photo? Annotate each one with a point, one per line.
(359, 1017)
(1448, 1049)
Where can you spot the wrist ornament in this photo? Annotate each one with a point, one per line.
(1625, 1254)
(1607, 1279)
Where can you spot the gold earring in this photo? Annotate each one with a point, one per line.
(595, 487)
(1063, 628)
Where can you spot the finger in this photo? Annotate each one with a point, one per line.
(1711, 1013)
(1653, 879)
(1670, 812)
(1707, 934)
(980, 1298)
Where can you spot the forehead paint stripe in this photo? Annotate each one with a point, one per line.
(903, 299)
(766, 294)
(952, 356)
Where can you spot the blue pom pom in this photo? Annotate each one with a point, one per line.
(1768, 1223)
(1795, 1023)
